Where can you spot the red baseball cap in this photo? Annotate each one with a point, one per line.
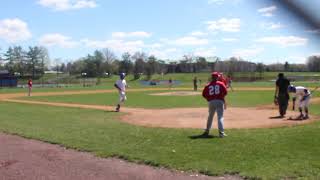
(215, 74)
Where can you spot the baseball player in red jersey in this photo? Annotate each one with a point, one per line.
(215, 92)
(221, 78)
(29, 87)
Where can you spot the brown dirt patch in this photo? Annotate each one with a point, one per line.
(30, 159)
(197, 118)
(192, 117)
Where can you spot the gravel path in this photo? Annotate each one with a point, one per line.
(32, 160)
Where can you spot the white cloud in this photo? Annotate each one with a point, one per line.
(164, 53)
(205, 52)
(272, 25)
(64, 5)
(56, 39)
(189, 41)
(215, 1)
(136, 34)
(248, 53)
(229, 39)
(119, 46)
(284, 41)
(297, 59)
(14, 30)
(198, 33)
(315, 54)
(220, 2)
(224, 24)
(267, 11)
(156, 45)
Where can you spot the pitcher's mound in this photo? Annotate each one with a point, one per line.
(197, 118)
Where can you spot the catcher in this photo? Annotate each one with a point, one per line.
(304, 96)
(281, 95)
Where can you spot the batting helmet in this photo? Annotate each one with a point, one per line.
(291, 88)
(122, 75)
(215, 74)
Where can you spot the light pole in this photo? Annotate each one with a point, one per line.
(84, 75)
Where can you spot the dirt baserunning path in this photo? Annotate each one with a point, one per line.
(32, 160)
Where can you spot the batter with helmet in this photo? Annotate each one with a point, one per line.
(215, 92)
(304, 96)
(121, 85)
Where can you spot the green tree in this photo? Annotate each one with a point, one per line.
(139, 64)
(90, 66)
(126, 64)
(35, 60)
(19, 60)
(9, 60)
(152, 66)
(201, 63)
(98, 59)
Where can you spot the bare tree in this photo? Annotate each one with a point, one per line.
(313, 63)
(109, 61)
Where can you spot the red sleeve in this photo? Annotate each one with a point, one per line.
(205, 92)
(224, 89)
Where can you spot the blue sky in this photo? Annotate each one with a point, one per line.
(255, 30)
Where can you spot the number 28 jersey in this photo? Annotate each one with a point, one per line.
(215, 90)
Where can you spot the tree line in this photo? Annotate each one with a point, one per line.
(35, 60)
(25, 63)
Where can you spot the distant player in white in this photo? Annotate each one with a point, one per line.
(121, 85)
(304, 96)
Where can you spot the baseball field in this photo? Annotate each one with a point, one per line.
(158, 126)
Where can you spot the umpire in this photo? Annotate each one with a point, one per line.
(281, 96)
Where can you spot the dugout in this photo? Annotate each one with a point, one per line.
(7, 80)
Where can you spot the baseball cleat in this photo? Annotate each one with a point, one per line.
(222, 134)
(301, 117)
(305, 117)
(118, 108)
(205, 134)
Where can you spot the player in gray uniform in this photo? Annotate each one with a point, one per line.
(304, 96)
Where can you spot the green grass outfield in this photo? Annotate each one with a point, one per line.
(145, 99)
(185, 78)
(261, 153)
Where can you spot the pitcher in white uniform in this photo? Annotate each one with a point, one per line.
(304, 96)
(121, 85)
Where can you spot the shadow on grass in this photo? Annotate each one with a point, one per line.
(111, 111)
(201, 136)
